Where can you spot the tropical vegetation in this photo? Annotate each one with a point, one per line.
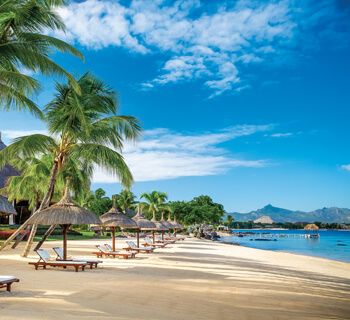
(25, 49)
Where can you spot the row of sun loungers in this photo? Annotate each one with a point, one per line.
(47, 261)
(104, 251)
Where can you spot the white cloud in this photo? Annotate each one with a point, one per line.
(346, 167)
(199, 44)
(281, 135)
(12, 134)
(163, 154)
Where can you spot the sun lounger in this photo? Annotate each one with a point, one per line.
(110, 249)
(104, 252)
(7, 281)
(91, 263)
(149, 243)
(46, 261)
(133, 247)
(159, 240)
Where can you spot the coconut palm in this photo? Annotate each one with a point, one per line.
(125, 200)
(84, 127)
(34, 176)
(25, 48)
(154, 201)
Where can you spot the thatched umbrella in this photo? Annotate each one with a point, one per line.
(6, 207)
(159, 227)
(143, 224)
(311, 226)
(115, 219)
(65, 213)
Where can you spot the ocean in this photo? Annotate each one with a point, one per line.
(332, 244)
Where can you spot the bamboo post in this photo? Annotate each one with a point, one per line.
(45, 236)
(30, 241)
(20, 238)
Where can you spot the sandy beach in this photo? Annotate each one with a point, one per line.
(193, 279)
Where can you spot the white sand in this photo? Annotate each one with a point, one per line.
(193, 279)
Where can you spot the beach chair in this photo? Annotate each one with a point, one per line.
(91, 263)
(110, 249)
(7, 281)
(149, 243)
(159, 240)
(133, 247)
(104, 252)
(46, 261)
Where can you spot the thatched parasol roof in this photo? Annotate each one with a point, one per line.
(159, 225)
(176, 224)
(114, 218)
(170, 223)
(6, 207)
(311, 226)
(65, 212)
(165, 223)
(143, 223)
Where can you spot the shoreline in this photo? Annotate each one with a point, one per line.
(197, 279)
(282, 251)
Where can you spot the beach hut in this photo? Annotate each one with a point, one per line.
(6, 207)
(312, 230)
(65, 213)
(115, 219)
(143, 224)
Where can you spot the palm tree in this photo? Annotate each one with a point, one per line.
(125, 200)
(25, 46)
(154, 202)
(34, 176)
(84, 127)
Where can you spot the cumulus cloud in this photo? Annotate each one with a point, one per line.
(199, 43)
(163, 154)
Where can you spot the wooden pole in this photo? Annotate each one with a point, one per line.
(65, 228)
(113, 239)
(163, 235)
(138, 237)
(154, 237)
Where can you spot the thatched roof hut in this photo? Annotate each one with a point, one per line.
(311, 226)
(6, 207)
(6, 171)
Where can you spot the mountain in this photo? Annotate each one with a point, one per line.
(329, 215)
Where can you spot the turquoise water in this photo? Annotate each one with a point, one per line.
(331, 244)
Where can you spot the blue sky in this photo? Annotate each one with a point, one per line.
(246, 101)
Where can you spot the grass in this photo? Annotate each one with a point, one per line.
(85, 235)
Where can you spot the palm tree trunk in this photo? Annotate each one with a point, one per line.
(47, 196)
